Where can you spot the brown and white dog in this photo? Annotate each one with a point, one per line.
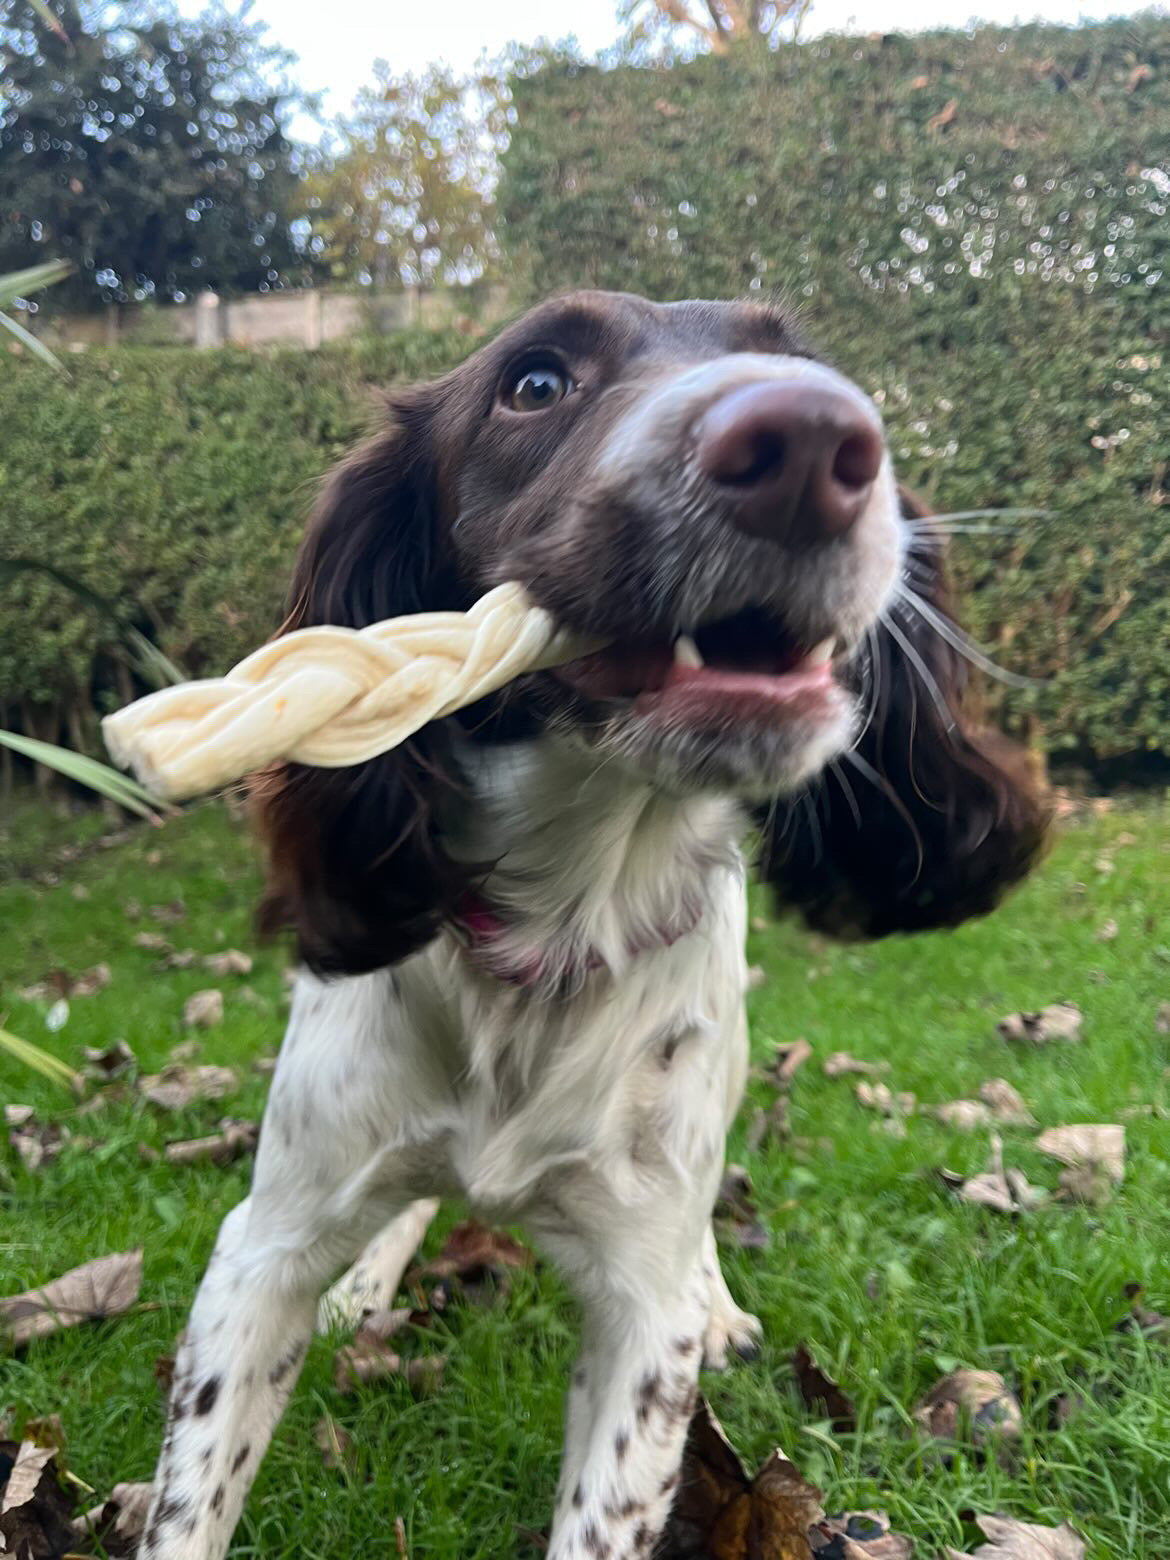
(522, 933)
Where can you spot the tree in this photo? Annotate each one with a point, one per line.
(148, 152)
(406, 195)
(716, 23)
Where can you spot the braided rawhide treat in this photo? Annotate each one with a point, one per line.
(332, 696)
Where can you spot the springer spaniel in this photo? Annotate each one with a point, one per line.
(521, 933)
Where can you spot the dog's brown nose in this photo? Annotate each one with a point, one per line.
(794, 457)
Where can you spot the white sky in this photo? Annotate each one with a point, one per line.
(338, 41)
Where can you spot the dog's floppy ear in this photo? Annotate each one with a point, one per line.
(937, 817)
(355, 865)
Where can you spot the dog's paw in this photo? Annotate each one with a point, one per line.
(731, 1330)
(345, 1307)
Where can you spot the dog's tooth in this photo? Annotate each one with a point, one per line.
(686, 653)
(820, 654)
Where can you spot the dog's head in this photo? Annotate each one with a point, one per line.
(689, 485)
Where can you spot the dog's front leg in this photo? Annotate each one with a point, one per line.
(646, 1302)
(332, 1168)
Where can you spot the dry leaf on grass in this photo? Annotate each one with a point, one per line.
(178, 959)
(1005, 1103)
(230, 962)
(170, 914)
(821, 1393)
(110, 1061)
(841, 1063)
(233, 1140)
(722, 1514)
(1141, 1319)
(472, 1252)
(1108, 930)
(1162, 1020)
(38, 1143)
(964, 1115)
(34, 1509)
(335, 1445)
(1012, 1540)
(879, 1097)
(737, 1220)
(1005, 1191)
(152, 942)
(1059, 1022)
(757, 976)
(369, 1358)
(787, 1060)
(203, 1009)
(91, 1292)
(59, 984)
(769, 1126)
(177, 1087)
(858, 1535)
(118, 1523)
(944, 116)
(1085, 1145)
(979, 1398)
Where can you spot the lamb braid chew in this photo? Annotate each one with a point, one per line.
(329, 697)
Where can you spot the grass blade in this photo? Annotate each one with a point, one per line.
(85, 771)
(18, 284)
(40, 1061)
(27, 339)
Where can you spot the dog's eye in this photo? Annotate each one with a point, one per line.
(538, 388)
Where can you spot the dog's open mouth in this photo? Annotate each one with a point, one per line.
(747, 658)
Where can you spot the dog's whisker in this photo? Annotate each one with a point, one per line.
(962, 642)
(925, 675)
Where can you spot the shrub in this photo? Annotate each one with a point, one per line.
(975, 226)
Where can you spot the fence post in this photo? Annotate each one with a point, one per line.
(208, 324)
(314, 318)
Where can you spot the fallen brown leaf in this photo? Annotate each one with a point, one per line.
(1005, 1191)
(233, 1140)
(1005, 1104)
(1139, 74)
(944, 116)
(177, 1087)
(978, 1397)
(737, 1219)
(37, 1143)
(1059, 1022)
(185, 1051)
(473, 1252)
(34, 1509)
(720, 1513)
(335, 1445)
(97, 1289)
(1141, 1319)
(203, 1009)
(964, 1115)
(48, 1431)
(840, 1063)
(858, 1535)
(178, 959)
(1108, 930)
(152, 942)
(110, 1061)
(1012, 1540)
(787, 1060)
(1087, 1147)
(819, 1391)
(170, 914)
(769, 1126)
(757, 976)
(878, 1096)
(368, 1359)
(118, 1523)
(1162, 1018)
(230, 962)
(132, 910)
(58, 984)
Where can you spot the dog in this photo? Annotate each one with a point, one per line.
(520, 935)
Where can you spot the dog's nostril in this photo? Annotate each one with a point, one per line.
(756, 458)
(858, 459)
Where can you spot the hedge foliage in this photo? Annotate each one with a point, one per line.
(175, 480)
(976, 227)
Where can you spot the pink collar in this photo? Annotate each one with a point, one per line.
(484, 935)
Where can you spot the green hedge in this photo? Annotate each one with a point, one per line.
(998, 272)
(175, 480)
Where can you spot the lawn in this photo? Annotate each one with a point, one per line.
(870, 1259)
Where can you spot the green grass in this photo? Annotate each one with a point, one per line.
(888, 1278)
